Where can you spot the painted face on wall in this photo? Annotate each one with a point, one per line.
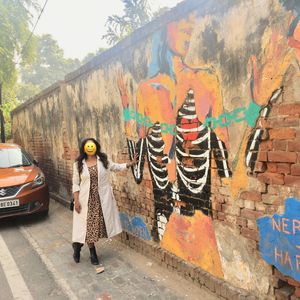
(90, 148)
(179, 36)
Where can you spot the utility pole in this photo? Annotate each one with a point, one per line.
(1, 117)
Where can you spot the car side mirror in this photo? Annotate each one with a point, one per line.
(35, 162)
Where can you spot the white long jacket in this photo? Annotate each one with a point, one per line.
(108, 202)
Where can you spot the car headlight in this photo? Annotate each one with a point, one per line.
(38, 180)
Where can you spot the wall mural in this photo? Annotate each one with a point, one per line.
(280, 239)
(135, 225)
(182, 131)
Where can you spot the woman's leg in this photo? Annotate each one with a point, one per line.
(76, 254)
(93, 254)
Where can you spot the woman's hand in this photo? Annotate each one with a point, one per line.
(77, 206)
(133, 162)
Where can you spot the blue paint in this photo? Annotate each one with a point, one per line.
(135, 226)
(161, 57)
(280, 239)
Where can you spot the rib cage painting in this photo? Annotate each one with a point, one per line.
(195, 144)
(184, 124)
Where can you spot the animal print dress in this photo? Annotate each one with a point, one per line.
(95, 229)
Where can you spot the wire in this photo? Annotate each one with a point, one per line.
(32, 31)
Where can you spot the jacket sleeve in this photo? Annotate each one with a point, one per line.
(116, 167)
(76, 180)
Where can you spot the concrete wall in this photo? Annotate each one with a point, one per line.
(208, 96)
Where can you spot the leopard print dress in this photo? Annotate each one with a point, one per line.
(95, 229)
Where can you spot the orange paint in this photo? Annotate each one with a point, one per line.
(193, 239)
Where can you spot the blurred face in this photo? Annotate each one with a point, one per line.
(179, 35)
(90, 148)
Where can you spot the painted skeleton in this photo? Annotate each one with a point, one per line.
(257, 133)
(195, 144)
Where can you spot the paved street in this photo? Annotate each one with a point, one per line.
(36, 263)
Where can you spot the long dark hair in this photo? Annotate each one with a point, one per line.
(83, 155)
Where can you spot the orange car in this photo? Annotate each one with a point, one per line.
(23, 189)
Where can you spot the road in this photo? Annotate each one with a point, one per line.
(36, 263)
(23, 275)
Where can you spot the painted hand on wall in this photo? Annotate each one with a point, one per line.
(267, 80)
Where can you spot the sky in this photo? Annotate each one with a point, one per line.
(78, 25)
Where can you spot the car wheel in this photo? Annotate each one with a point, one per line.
(44, 214)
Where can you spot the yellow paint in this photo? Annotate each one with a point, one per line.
(239, 179)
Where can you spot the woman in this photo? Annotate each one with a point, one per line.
(95, 211)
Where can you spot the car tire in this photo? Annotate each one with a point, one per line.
(44, 214)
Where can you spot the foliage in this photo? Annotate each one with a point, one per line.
(91, 55)
(10, 103)
(136, 14)
(15, 48)
(14, 27)
(49, 66)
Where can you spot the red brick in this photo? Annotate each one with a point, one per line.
(286, 122)
(266, 145)
(250, 234)
(251, 214)
(295, 169)
(284, 168)
(260, 167)
(262, 156)
(272, 167)
(280, 145)
(282, 156)
(294, 146)
(253, 196)
(293, 282)
(279, 275)
(282, 133)
(292, 180)
(289, 109)
(297, 292)
(221, 216)
(241, 221)
(271, 178)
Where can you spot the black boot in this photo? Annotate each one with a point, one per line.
(94, 258)
(76, 254)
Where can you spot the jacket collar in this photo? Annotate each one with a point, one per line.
(98, 161)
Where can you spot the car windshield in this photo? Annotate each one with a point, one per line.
(13, 158)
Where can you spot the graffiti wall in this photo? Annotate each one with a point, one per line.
(207, 97)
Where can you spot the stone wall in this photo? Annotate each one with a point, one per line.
(208, 96)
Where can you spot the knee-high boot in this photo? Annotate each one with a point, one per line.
(94, 258)
(77, 248)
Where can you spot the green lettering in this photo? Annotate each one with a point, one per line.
(252, 114)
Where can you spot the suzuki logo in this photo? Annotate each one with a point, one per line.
(2, 192)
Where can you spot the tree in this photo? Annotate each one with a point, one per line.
(14, 27)
(91, 55)
(136, 14)
(15, 48)
(49, 66)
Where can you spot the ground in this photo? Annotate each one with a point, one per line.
(36, 263)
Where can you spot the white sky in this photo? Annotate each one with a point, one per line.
(78, 25)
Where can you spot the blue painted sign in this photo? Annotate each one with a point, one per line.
(136, 226)
(280, 239)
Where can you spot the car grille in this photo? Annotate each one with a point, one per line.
(9, 191)
(17, 209)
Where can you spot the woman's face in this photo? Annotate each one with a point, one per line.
(90, 148)
(179, 36)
